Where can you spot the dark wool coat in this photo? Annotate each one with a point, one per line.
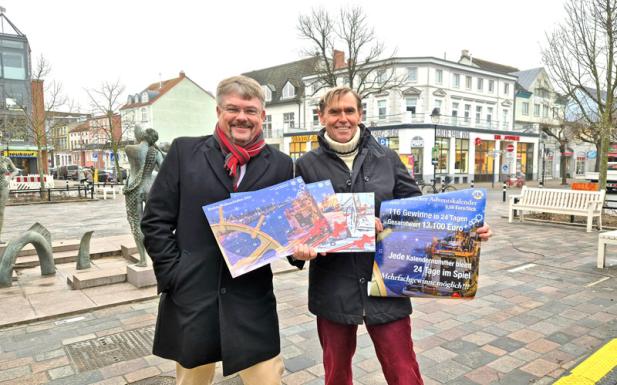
(338, 281)
(205, 315)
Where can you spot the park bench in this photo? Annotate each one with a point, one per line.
(610, 237)
(557, 201)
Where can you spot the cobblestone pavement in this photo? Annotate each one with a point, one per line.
(542, 307)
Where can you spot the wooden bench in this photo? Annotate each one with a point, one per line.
(604, 239)
(556, 201)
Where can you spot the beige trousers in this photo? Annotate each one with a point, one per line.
(264, 373)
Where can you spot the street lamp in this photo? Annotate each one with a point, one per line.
(435, 119)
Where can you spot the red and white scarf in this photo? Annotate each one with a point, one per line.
(236, 155)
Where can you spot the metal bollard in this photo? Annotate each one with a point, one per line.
(49, 195)
(541, 185)
(67, 185)
(472, 184)
(504, 191)
(443, 185)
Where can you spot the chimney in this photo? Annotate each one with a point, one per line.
(182, 74)
(464, 53)
(339, 59)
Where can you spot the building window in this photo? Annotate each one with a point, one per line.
(364, 111)
(468, 82)
(412, 74)
(289, 120)
(144, 115)
(315, 117)
(411, 104)
(438, 103)
(484, 161)
(491, 86)
(480, 84)
(505, 118)
(525, 107)
(267, 93)
(144, 97)
(506, 89)
(391, 142)
(467, 112)
(536, 110)
(381, 109)
(544, 111)
(555, 113)
(489, 115)
(478, 114)
(13, 66)
(443, 150)
(289, 91)
(297, 149)
(456, 81)
(454, 113)
(461, 159)
(268, 124)
(380, 76)
(439, 76)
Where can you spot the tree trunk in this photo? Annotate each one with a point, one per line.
(39, 164)
(603, 155)
(563, 164)
(114, 148)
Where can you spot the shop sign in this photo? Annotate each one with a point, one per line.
(592, 154)
(20, 154)
(303, 138)
(446, 133)
(515, 138)
(417, 142)
(390, 133)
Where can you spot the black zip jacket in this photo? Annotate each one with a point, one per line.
(338, 281)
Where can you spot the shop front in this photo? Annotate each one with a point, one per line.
(23, 159)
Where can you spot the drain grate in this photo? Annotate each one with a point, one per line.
(158, 380)
(104, 351)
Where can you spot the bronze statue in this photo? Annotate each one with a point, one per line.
(6, 167)
(144, 157)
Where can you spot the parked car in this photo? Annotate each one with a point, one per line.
(68, 172)
(109, 175)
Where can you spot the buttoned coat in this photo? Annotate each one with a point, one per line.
(205, 315)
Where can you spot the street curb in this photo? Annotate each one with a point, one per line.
(80, 311)
(74, 312)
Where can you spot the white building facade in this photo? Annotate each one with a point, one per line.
(473, 137)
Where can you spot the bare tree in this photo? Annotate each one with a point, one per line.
(563, 135)
(36, 121)
(105, 100)
(580, 56)
(368, 69)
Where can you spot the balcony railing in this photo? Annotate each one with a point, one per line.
(406, 118)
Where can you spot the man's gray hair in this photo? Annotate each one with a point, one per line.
(243, 86)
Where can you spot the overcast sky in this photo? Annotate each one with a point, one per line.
(88, 42)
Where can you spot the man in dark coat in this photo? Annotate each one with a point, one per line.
(205, 315)
(352, 159)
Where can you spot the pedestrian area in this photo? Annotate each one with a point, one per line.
(543, 310)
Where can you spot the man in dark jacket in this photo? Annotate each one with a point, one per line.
(204, 315)
(352, 159)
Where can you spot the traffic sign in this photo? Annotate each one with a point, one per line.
(505, 168)
(592, 154)
(510, 147)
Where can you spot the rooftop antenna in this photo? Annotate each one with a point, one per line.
(160, 81)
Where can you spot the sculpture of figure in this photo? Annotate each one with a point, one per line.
(7, 171)
(144, 157)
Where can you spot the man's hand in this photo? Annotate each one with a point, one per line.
(304, 253)
(485, 232)
(378, 226)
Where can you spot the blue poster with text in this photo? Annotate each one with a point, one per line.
(429, 246)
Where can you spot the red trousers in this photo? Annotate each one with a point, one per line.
(392, 343)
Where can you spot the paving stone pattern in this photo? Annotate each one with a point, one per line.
(526, 326)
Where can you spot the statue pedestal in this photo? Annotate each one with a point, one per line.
(140, 276)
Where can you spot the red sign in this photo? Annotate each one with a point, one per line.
(478, 141)
(510, 147)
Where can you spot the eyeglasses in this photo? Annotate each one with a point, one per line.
(233, 110)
